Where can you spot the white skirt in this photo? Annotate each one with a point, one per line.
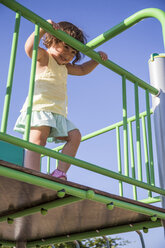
(60, 126)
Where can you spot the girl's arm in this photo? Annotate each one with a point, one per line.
(85, 68)
(29, 45)
(42, 55)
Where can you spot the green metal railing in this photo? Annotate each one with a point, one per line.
(131, 168)
(126, 124)
(86, 49)
(117, 127)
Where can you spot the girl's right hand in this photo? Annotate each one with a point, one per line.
(55, 25)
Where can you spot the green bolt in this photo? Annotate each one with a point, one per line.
(90, 194)
(110, 206)
(44, 211)
(10, 221)
(154, 217)
(145, 229)
(61, 193)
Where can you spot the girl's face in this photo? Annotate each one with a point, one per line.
(62, 53)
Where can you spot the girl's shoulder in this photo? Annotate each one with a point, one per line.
(42, 57)
(43, 62)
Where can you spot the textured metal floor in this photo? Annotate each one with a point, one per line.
(79, 217)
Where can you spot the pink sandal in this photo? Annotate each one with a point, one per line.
(58, 174)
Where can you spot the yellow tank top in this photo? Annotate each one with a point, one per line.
(50, 92)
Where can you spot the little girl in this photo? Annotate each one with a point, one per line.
(50, 95)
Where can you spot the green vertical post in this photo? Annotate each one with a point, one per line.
(119, 159)
(10, 74)
(150, 139)
(146, 153)
(48, 165)
(32, 83)
(58, 150)
(125, 131)
(57, 161)
(40, 163)
(132, 158)
(138, 145)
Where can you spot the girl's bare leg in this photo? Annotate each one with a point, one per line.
(70, 148)
(38, 135)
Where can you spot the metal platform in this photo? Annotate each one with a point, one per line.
(40, 215)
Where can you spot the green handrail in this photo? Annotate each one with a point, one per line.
(106, 129)
(86, 49)
(117, 126)
(78, 162)
(129, 22)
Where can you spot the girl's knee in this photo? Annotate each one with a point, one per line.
(75, 136)
(78, 134)
(38, 140)
(39, 135)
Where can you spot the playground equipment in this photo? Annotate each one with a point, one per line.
(141, 238)
(107, 241)
(40, 209)
(77, 244)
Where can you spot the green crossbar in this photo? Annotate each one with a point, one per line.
(78, 162)
(91, 234)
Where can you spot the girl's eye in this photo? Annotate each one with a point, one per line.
(73, 51)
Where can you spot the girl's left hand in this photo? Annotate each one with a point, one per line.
(103, 55)
(55, 25)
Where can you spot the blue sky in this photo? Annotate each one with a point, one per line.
(95, 100)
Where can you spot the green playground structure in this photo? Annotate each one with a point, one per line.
(71, 196)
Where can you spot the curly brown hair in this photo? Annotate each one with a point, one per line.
(72, 30)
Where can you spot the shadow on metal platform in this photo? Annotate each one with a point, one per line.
(40, 215)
